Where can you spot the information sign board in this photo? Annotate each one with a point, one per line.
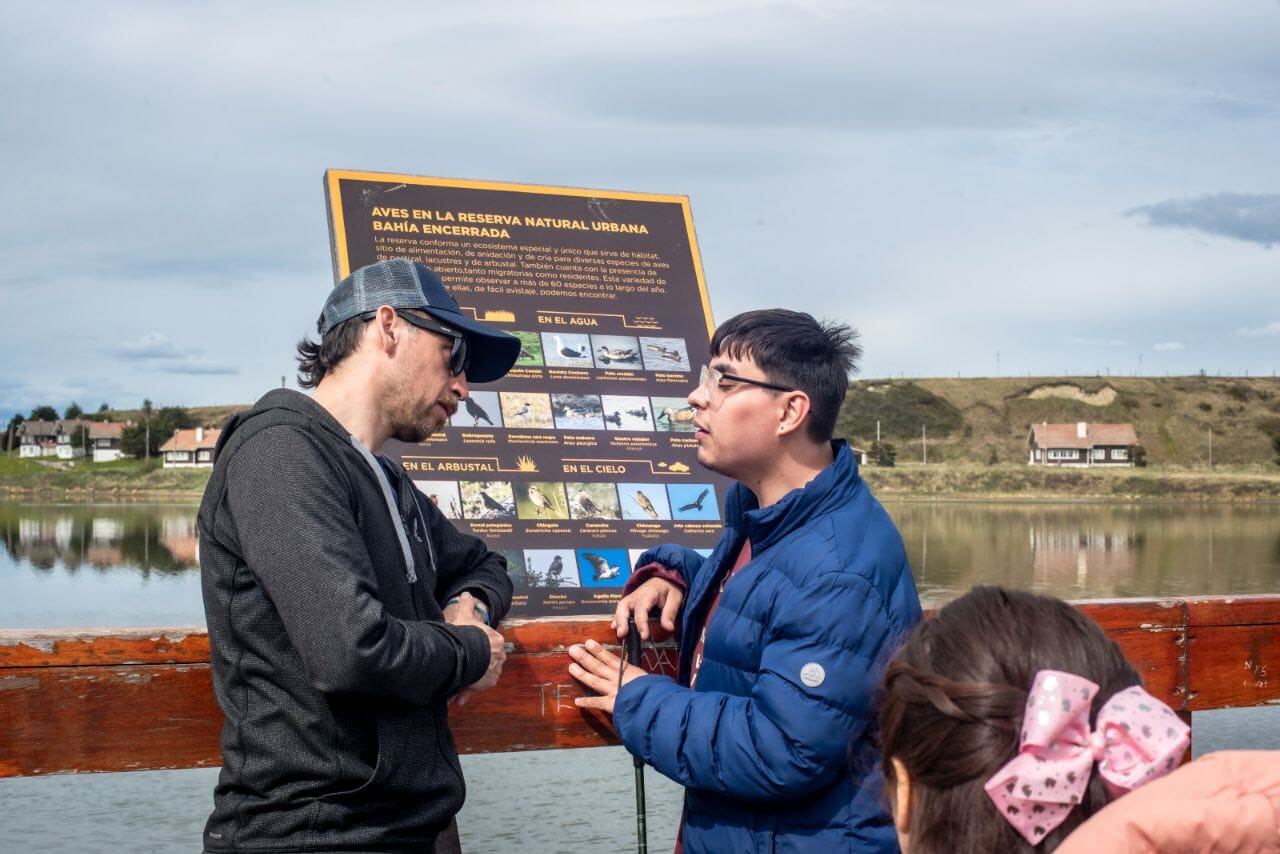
(583, 455)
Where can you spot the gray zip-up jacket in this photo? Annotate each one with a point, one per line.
(331, 659)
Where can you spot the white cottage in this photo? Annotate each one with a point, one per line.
(192, 448)
(38, 439)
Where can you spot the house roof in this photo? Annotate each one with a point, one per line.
(1068, 435)
(185, 440)
(38, 429)
(106, 430)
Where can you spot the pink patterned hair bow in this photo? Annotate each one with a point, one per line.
(1137, 740)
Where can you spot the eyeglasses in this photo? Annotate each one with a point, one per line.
(709, 380)
(459, 355)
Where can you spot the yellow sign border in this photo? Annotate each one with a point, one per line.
(338, 233)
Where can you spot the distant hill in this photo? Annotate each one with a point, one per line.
(969, 418)
(205, 416)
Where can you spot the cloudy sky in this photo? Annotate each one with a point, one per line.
(1075, 186)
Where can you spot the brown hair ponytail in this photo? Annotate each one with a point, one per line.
(953, 704)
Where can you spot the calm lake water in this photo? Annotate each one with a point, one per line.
(122, 565)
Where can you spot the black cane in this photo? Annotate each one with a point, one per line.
(632, 656)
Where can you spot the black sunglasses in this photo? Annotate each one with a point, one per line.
(458, 356)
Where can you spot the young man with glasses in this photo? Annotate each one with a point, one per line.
(344, 610)
(785, 629)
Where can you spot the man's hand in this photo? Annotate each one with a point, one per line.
(654, 593)
(597, 668)
(464, 614)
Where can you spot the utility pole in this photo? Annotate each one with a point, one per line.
(877, 430)
(924, 444)
(146, 411)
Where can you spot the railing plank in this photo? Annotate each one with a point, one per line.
(60, 719)
(82, 647)
(122, 699)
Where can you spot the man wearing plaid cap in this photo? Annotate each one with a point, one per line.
(345, 612)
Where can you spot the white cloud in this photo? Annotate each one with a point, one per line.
(951, 179)
(1270, 330)
(1169, 346)
(153, 345)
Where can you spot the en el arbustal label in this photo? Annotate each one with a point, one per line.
(583, 455)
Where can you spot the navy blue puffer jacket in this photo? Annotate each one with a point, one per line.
(765, 752)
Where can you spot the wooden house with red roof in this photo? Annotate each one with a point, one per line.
(104, 441)
(1082, 444)
(190, 448)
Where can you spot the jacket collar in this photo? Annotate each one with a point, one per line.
(288, 400)
(832, 487)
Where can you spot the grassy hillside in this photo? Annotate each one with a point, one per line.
(969, 420)
(205, 416)
(97, 480)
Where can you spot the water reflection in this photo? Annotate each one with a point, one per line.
(1092, 550)
(160, 539)
(115, 564)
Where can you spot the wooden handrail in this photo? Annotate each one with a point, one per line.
(133, 699)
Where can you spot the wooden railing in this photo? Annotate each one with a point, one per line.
(121, 700)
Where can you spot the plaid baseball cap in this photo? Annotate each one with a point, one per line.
(401, 283)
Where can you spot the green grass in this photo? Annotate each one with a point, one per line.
(115, 479)
(1014, 480)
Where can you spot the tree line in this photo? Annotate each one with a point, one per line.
(140, 439)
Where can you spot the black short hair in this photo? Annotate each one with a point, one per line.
(797, 351)
(316, 360)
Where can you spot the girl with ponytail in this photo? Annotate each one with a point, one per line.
(1009, 720)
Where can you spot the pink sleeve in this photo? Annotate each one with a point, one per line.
(653, 570)
(1222, 802)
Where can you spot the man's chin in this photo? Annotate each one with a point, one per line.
(707, 461)
(415, 434)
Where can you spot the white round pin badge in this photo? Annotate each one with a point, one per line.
(812, 674)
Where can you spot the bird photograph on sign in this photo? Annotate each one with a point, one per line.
(665, 354)
(487, 499)
(644, 501)
(673, 414)
(616, 351)
(541, 501)
(515, 569)
(551, 568)
(522, 410)
(577, 411)
(443, 494)
(625, 412)
(603, 567)
(693, 501)
(593, 501)
(479, 409)
(530, 349)
(567, 350)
